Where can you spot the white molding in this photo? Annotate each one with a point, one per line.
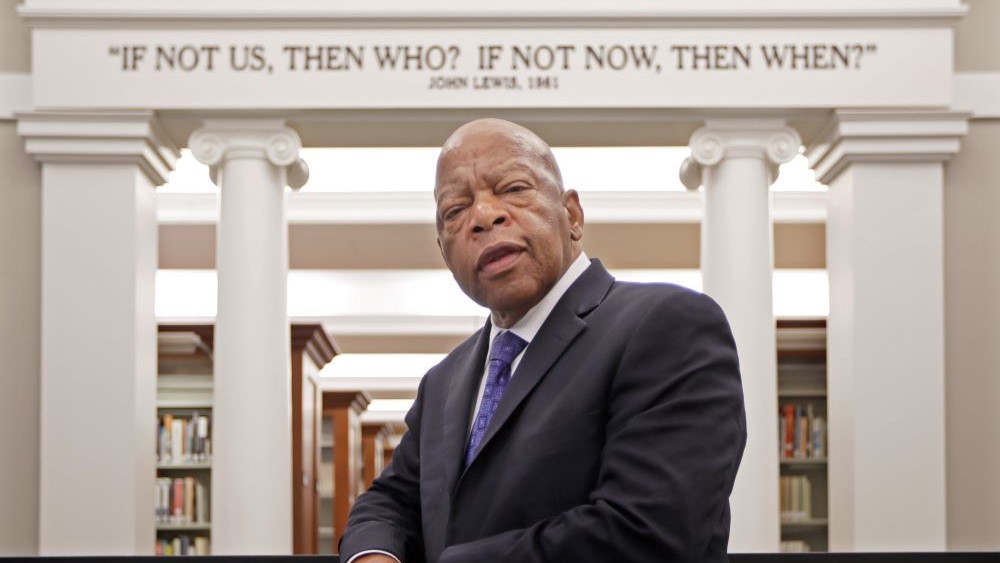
(15, 93)
(551, 13)
(381, 417)
(416, 325)
(354, 208)
(978, 93)
(885, 136)
(404, 302)
(376, 384)
(370, 325)
(105, 137)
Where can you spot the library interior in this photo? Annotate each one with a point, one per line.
(221, 284)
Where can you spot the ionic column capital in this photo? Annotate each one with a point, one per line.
(272, 140)
(766, 139)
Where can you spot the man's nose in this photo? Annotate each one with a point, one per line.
(489, 212)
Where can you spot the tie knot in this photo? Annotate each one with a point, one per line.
(506, 347)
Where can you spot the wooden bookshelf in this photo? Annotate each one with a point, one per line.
(343, 409)
(312, 349)
(184, 392)
(184, 386)
(802, 384)
(194, 527)
(189, 466)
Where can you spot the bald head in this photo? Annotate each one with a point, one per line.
(503, 132)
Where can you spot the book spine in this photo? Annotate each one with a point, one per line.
(167, 446)
(176, 441)
(201, 546)
(796, 445)
(188, 499)
(203, 437)
(806, 498)
(803, 436)
(789, 430)
(177, 502)
(200, 503)
(819, 438)
(810, 423)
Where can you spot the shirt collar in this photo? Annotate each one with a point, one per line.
(531, 322)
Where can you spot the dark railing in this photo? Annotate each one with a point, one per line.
(950, 557)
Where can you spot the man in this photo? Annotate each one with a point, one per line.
(589, 420)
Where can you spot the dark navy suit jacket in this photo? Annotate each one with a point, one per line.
(617, 440)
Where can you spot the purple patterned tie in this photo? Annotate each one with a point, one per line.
(506, 347)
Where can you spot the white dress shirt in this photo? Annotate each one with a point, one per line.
(531, 323)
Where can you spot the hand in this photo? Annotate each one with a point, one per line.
(375, 558)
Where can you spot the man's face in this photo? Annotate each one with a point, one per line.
(506, 231)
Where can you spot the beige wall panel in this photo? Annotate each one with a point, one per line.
(972, 326)
(363, 246)
(15, 39)
(20, 333)
(187, 247)
(620, 246)
(977, 38)
(643, 245)
(800, 245)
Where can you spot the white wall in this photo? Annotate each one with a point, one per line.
(20, 290)
(972, 305)
(972, 324)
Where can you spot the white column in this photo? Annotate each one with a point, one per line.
(886, 327)
(736, 162)
(252, 457)
(98, 364)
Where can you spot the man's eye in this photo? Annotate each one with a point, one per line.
(451, 212)
(514, 189)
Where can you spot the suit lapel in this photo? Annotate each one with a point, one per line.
(458, 406)
(558, 331)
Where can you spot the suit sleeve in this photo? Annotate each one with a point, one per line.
(675, 436)
(386, 517)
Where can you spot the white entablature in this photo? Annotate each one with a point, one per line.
(307, 55)
(640, 73)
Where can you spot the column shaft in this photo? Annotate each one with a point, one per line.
(886, 358)
(885, 374)
(252, 441)
(98, 354)
(251, 502)
(737, 263)
(98, 377)
(735, 161)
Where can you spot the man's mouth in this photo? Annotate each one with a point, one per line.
(498, 257)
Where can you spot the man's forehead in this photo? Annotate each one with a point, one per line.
(494, 147)
(490, 142)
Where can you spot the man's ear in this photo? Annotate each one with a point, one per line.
(574, 212)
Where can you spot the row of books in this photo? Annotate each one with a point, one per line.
(796, 498)
(802, 434)
(794, 546)
(182, 500)
(183, 545)
(183, 439)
